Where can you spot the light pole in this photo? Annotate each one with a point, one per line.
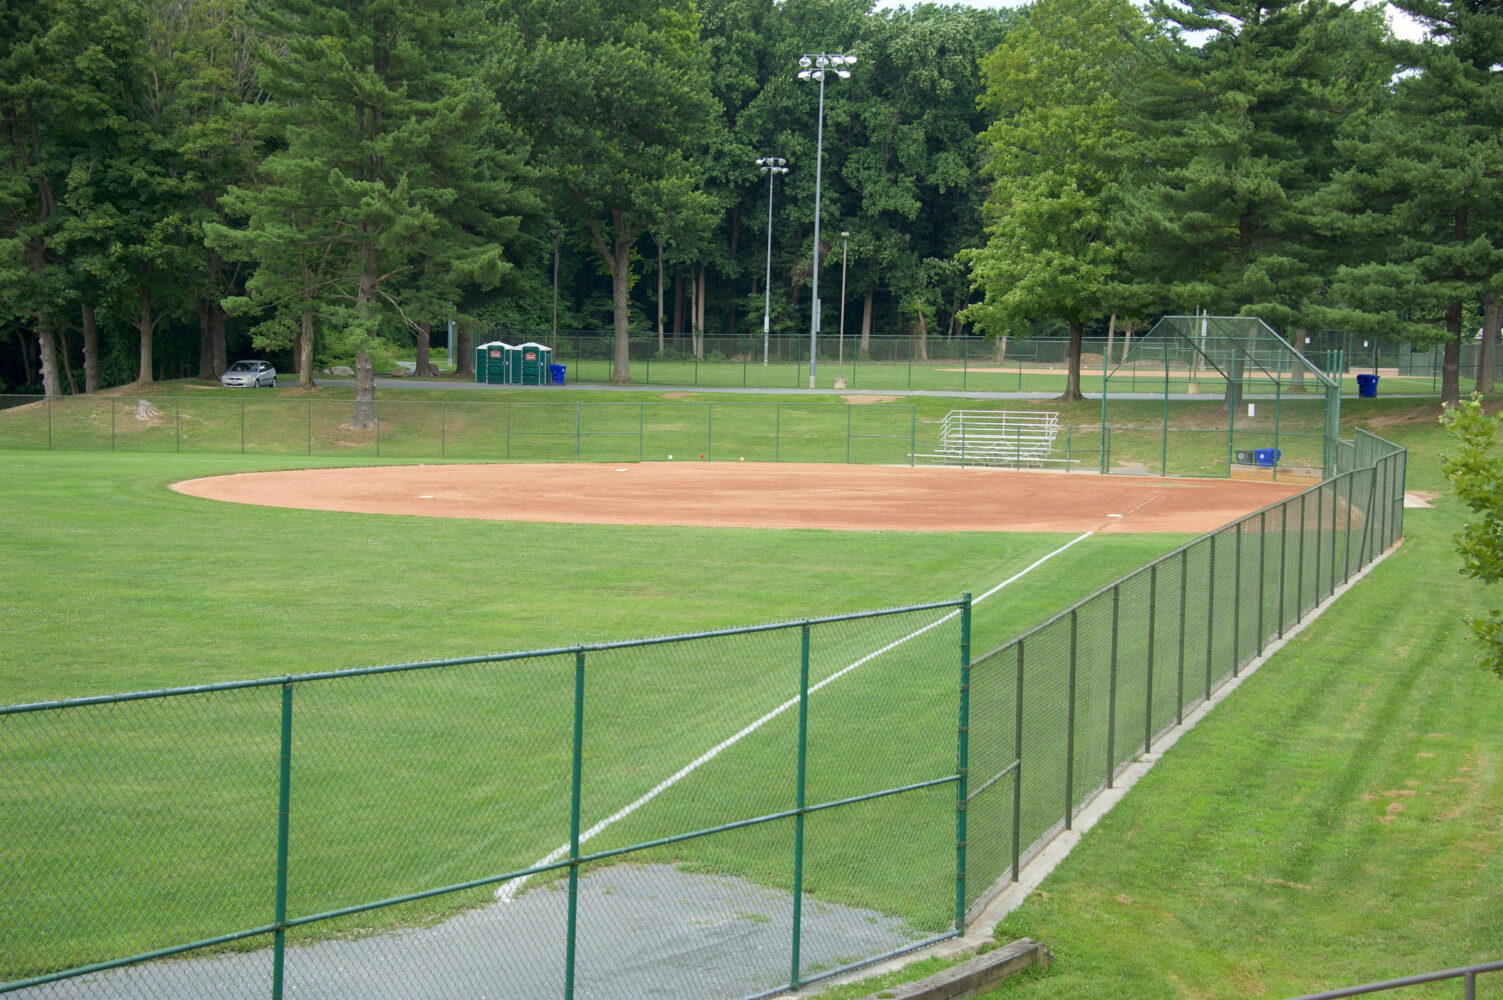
(815, 67)
(771, 166)
(845, 245)
(554, 344)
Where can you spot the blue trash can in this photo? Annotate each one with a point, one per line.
(1266, 457)
(556, 373)
(1367, 386)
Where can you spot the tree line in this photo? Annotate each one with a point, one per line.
(184, 180)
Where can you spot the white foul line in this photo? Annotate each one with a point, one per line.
(510, 888)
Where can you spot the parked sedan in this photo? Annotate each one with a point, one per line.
(251, 374)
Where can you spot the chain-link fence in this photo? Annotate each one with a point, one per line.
(756, 431)
(717, 815)
(1059, 711)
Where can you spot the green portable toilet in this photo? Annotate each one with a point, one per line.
(535, 361)
(495, 363)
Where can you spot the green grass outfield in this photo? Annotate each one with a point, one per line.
(1335, 822)
(115, 583)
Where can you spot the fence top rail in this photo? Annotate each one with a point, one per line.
(1393, 984)
(392, 668)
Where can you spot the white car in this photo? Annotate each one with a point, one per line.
(249, 374)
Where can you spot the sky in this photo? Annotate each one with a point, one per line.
(1402, 25)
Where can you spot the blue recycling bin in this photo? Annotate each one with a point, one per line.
(1266, 457)
(1367, 386)
(556, 373)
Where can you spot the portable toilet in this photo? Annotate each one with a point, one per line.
(535, 359)
(495, 363)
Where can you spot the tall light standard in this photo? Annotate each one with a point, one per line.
(554, 344)
(815, 67)
(845, 245)
(771, 166)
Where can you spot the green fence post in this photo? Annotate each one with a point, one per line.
(376, 412)
(1184, 596)
(1283, 561)
(912, 435)
(1210, 614)
(242, 427)
(1017, 774)
(49, 425)
(1262, 577)
(1299, 576)
(1070, 734)
(443, 431)
(1153, 616)
(577, 415)
(641, 431)
(777, 432)
(848, 434)
(1237, 602)
(310, 426)
(508, 429)
(962, 765)
(1335, 495)
(284, 812)
(709, 431)
(1320, 520)
(576, 784)
(1111, 696)
(798, 818)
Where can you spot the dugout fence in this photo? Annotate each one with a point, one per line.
(723, 814)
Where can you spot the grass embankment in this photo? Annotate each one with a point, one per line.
(1335, 822)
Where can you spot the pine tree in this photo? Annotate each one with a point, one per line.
(1236, 136)
(385, 125)
(1423, 195)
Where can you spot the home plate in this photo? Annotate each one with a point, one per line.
(1114, 515)
(425, 496)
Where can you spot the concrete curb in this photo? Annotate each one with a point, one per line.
(971, 977)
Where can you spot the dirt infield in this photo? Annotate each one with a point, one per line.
(759, 495)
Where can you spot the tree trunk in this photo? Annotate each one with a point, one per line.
(144, 323)
(62, 350)
(620, 286)
(364, 417)
(701, 283)
(1450, 365)
(424, 336)
(678, 299)
(921, 344)
(1487, 351)
(1297, 376)
(1111, 340)
(660, 296)
(1072, 392)
(1001, 348)
(47, 357)
(464, 364)
(866, 322)
(90, 348)
(305, 348)
(206, 371)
